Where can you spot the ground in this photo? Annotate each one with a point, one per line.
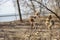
(17, 30)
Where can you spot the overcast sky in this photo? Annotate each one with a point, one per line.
(6, 8)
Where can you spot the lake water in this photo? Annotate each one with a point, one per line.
(7, 19)
(12, 18)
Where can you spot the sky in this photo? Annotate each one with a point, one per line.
(7, 8)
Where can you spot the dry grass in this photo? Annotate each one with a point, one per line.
(22, 31)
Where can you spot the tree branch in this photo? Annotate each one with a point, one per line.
(49, 10)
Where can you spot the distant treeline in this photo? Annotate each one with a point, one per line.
(12, 15)
(7, 15)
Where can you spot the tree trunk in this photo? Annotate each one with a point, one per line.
(40, 7)
(19, 10)
(33, 6)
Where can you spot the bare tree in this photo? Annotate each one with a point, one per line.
(49, 9)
